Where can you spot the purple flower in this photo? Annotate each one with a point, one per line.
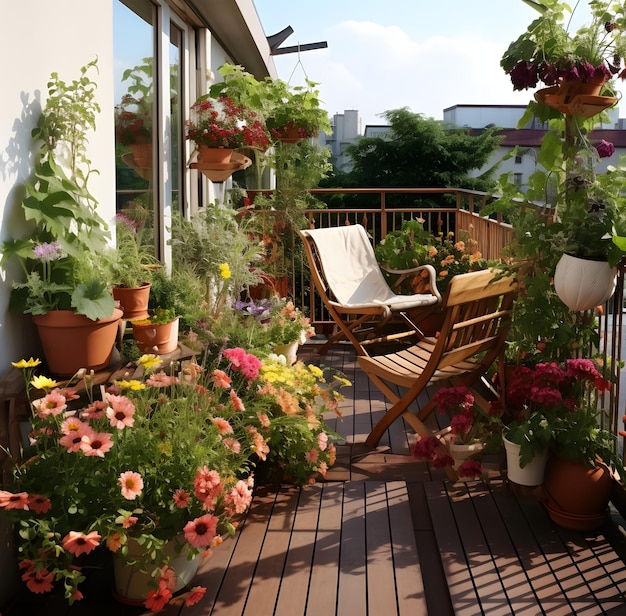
(604, 148)
(48, 251)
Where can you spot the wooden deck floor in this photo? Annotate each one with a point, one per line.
(386, 536)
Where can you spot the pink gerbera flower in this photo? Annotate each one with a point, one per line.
(197, 592)
(200, 532)
(39, 504)
(120, 412)
(181, 498)
(222, 425)
(8, 500)
(73, 440)
(51, 404)
(71, 424)
(95, 411)
(96, 443)
(77, 543)
(157, 599)
(132, 484)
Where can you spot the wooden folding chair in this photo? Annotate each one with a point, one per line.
(351, 285)
(477, 315)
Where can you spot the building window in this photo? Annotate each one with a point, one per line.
(518, 179)
(518, 160)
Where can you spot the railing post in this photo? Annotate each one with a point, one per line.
(383, 215)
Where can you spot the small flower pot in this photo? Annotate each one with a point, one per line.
(133, 301)
(156, 338)
(530, 475)
(460, 453)
(289, 351)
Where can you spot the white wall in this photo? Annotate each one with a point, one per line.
(40, 37)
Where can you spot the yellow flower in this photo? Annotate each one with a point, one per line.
(133, 384)
(225, 271)
(149, 361)
(316, 371)
(43, 382)
(24, 363)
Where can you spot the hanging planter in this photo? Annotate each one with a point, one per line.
(583, 284)
(576, 98)
(220, 172)
(576, 496)
(71, 341)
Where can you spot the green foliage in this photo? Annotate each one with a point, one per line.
(419, 151)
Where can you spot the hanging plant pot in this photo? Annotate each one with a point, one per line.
(132, 583)
(213, 156)
(583, 284)
(576, 497)
(289, 133)
(531, 474)
(576, 98)
(133, 301)
(221, 171)
(159, 338)
(71, 341)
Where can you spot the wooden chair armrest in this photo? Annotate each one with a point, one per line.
(405, 273)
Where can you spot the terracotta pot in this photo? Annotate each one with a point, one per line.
(213, 156)
(532, 474)
(583, 284)
(133, 301)
(289, 133)
(159, 339)
(71, 341)
(142, 154)
(270, 287)
(576, 98)
(576, 497)
(132, 584)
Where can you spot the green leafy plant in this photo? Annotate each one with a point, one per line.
(63, 258)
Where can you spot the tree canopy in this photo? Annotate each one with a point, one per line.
(420, 152)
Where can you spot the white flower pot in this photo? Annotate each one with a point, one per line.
(132, 583)
(460, 453)
(529, 475)
(289, 351)
(583, 284)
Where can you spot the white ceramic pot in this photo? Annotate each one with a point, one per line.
(583, 284)
(290, 351)
(531, 474)
(132, 583)
(460, 453)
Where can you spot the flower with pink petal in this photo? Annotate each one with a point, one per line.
(201, 532)
(120, 412)
(131, 483)
(78, 543)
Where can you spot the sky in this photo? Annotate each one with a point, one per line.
(400, 53)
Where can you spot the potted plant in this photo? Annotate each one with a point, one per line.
(576, 66)
(217, 127)
(158, 332)
(64, 256)
(471, 430)
(156, 458)
(132, 263)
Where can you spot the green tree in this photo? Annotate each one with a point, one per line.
(420, 152)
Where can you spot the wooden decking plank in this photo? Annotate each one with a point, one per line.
(240, 573)
(541, 577)
(271, 562)
(492, 596)
(352, 597)
(294, 587)
(505, 560)
(327, 540)
(462, 592)
(408, 575)
(381, 586)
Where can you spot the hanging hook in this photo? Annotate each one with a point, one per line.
(299, 62)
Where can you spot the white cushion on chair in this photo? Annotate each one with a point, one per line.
(353, 274)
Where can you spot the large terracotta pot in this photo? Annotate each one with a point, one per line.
(132, 584)
(133, 301)
(576, 497)
(583, 284)
(159, 339)
(71, 341)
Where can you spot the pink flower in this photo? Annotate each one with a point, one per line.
(157, 599)
(322, 441)
(132, 484)
(207, 485)
(114, 542)
(264, 419)
(96, 443)
(233, 444)
(246, 363)
(312, 456)
(236, 402)
(39, 581)
(160, 379)
(200, 532)
(8, 500)
(77, 595)
(197, 592)
(167, 578)
(39, 504)
(470, 468)
(120, 411)
(73, 440)
(51, 404)
(181, 498)
(223, 426)
(95, 411)
(77, 543)
(71, 425)
(239, 497)
(221, 379)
